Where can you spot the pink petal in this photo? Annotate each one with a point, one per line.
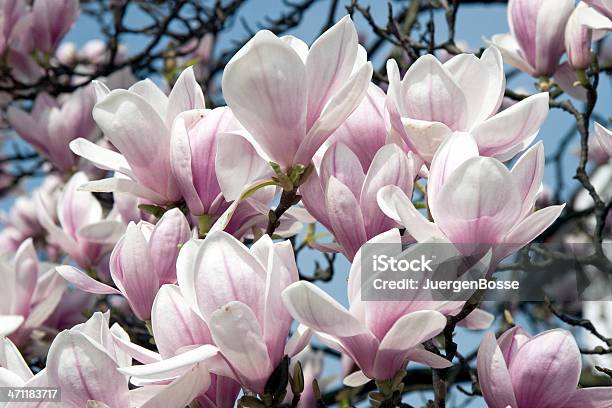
(238, 165)
(84, 371)
(316, 309)
(218, 271)
(433, 95)
(9, 324)
(493, 375)
(425, 136)
(172, 367)
(396, 205)
(237, 333)
(11, 359)
(84, 282)
(169, 234)
(391, 166)
(483, 81)
(406, 333)
(313, 198)
(596, 397)
(528, 173)
(151, 93)
(545, 371)
(453, 152)
(338, 108)
(75, 208)
(345, 217)
(171, 315)
(120, 184)
(364, 131)
(550, 32)
(186, 95)
(181, 159)
(130, 267)
(479, 319)
(529, 229)
(511, 52)
(567, 79)
(125, 117)
(264, 85)
(183, 390)
(340, 162)
(329, 63)
(473, 207)
(422, 356)
(356, 379)
(281, 272)
(512, 127)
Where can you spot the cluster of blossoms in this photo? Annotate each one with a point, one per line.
(192, 248)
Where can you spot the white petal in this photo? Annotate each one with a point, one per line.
(316, 309)
(172, 367)
(102, 158)
(356, 379)
(9, 323)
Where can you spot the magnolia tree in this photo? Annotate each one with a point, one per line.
(156, 201)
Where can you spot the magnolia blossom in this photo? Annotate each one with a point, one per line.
(379, 336)
(475, 201)
(21, 222)
(30, 292)
(53, 123)
(237, 292)
(365, 130)
(247, 181)
(83, 362)
(83, 232)
(520, 371)
(171, 315)
(44, 26)
(604, 138)
(462, 95)
(446, 263)
(212, 166)
(379, 355)
(10, 14)
(579, 34)
(603, 6)
(193, 152)
(137, 121)
(535, 44)
(291, 98)
(96, 52)
(142, 260)
(66, 53)
(343, 198)
(29, 35)
(25, 32)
